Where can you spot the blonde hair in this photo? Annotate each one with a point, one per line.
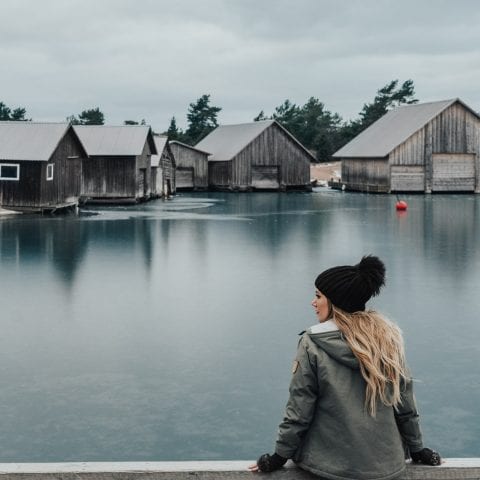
(377, 343)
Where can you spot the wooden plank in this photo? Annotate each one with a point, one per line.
(184, 177)
(265, 177)
(187, 158)
(219, 174)
(452, 468)
(453, 172)
(407, 179)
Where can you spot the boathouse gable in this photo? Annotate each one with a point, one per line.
(258, 155)
(431, 147)
(40, 166)
(163, 166)
(191, 166)
(118, 167)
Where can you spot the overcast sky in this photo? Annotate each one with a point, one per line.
(150, 58)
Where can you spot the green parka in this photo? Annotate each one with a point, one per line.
(327, 429)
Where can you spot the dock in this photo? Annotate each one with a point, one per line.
(4, 211)
(66, 207)
(451, 469)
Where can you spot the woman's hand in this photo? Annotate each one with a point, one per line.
(268, 463)
(427, 457)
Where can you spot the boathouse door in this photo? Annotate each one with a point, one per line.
(184, 177)
(407, 178)
(453, 172)
(142, 183)
(265, 177)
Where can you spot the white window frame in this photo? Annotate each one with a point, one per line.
(17, 165)
(50, 167)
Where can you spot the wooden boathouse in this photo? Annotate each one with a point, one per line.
(256, 156)
(427, 147)
(40, 166)
(163, 168)
(192, 166)
(118, 167)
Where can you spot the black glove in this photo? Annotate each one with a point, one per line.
(269, 463)
(427, 457)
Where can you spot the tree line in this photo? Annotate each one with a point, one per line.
(324, 132)
(321, 131)
(318, 129)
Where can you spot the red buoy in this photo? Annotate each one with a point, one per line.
(401, 205)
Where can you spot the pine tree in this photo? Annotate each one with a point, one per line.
(173, 131)
(261, 116)
(202, 119)
(17, 114)
(388, 97)
(92, 117)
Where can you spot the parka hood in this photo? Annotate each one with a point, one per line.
(336, 347)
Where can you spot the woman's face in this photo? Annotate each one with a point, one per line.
(321, 306)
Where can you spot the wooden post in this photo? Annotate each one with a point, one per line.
(428, 158)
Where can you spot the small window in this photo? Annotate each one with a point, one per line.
(50, 171)
(9, 171)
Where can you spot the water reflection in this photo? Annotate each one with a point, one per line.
(40, 243)
(451, 232)
(165, 331)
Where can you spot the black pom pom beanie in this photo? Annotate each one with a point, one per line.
(349, 287)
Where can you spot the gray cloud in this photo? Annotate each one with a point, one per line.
(150, 59)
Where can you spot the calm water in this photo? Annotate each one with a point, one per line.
(166, 331)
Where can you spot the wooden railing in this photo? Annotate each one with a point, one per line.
(452, 469)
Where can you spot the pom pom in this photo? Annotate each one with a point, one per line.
(372, 270)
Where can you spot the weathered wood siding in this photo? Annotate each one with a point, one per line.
(168, 164)
(190, 160)
(25, 192)
(366, 174)
(33, 190)
(143, 176)
(266, 177)
(118, 177)
(453, 172)
(67, 161)
(407, 178)
(109, 177)
(454, 131)
(219, 174)
(274, 148)
(185, 178)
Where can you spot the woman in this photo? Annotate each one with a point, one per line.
(351, 412)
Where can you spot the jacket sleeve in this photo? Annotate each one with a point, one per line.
(407, 418)
(300, 407)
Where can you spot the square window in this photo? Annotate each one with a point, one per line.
(50, 171)
(9, 171)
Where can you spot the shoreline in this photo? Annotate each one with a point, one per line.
(325, 171)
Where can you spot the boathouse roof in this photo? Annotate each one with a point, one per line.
(108, 140)
(394, 128)
(176, 142)
(160, 142)
(227, 141)
(33, 141)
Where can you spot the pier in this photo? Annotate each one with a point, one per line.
(451, 469)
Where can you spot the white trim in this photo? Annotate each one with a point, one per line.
(327, 326)
(17, 165)
(50, 177)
